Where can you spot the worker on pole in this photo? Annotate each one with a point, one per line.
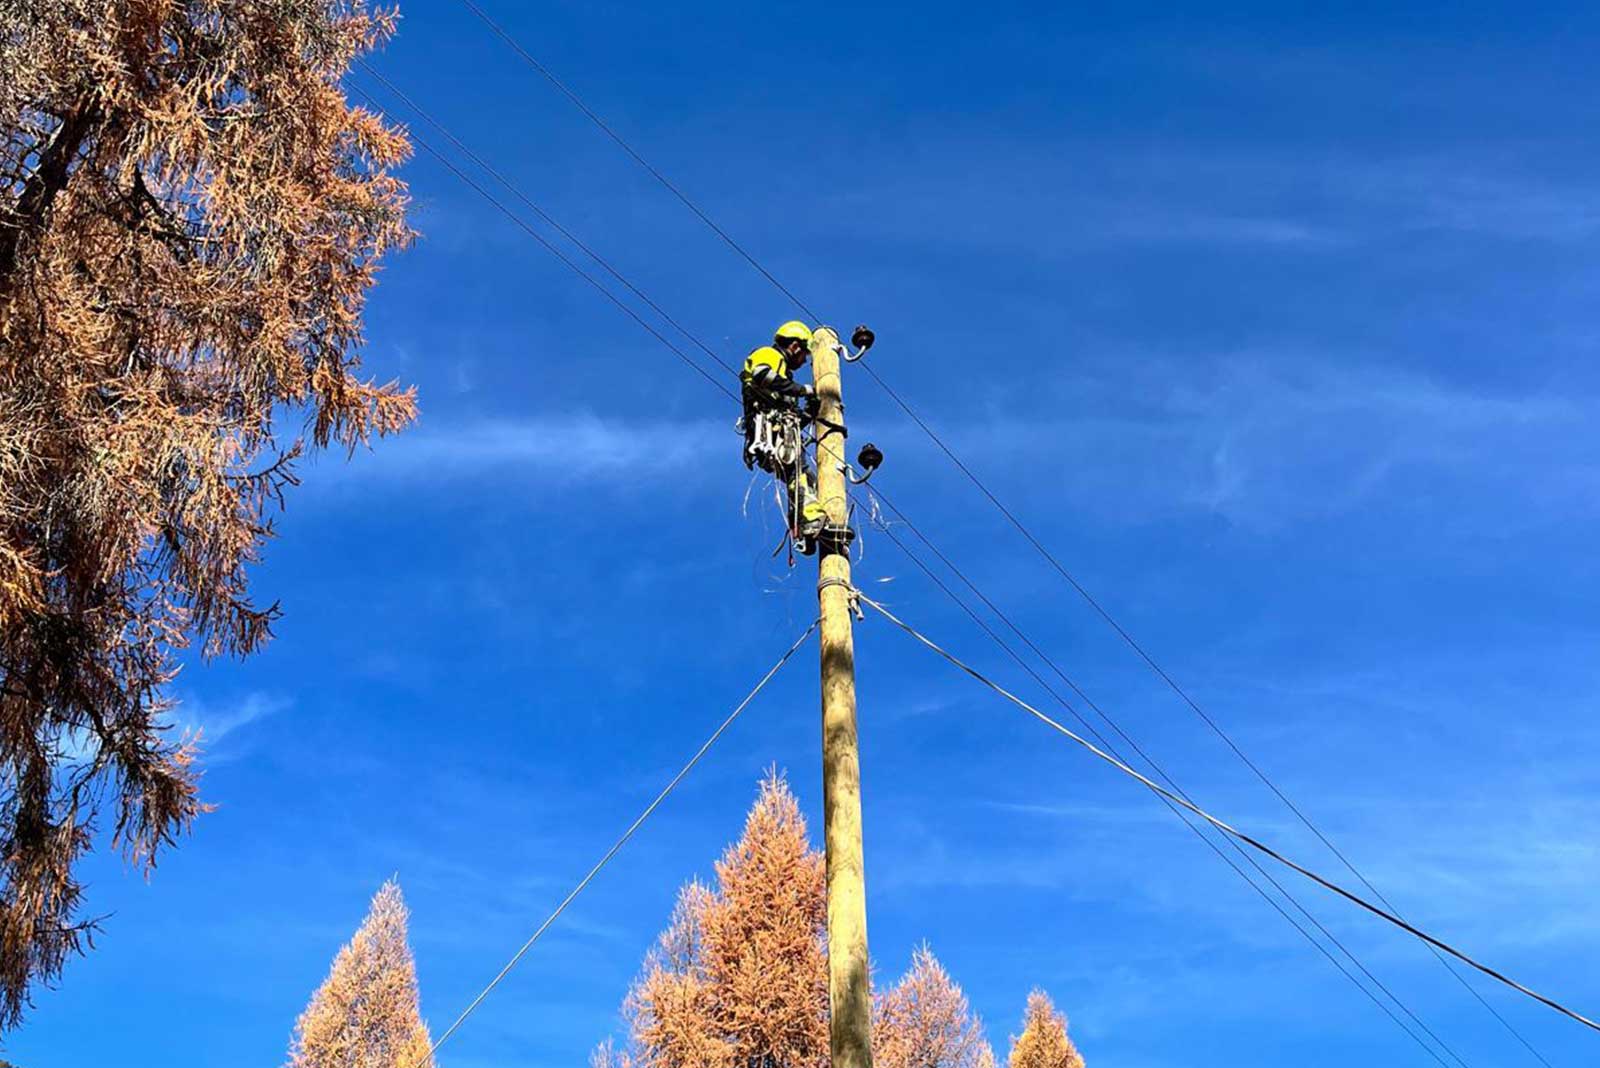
(776, 409)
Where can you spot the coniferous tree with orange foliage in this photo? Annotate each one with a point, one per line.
(739, 978)
(924, 1021)
(191, 214)
(366, 1013)
(1044, 1042)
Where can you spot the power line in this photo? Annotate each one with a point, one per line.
(676, 325)
(1159, 770)
(517, 192)
(549, 220)
(1223, 826)
(574, 238)
(523, 225)
(1183, 694)
(1195, 829)
(666, 183)
(620, 842)
(564, 258)
(624, 281)
(577, 102)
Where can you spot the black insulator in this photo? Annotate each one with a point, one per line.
(863, 338)
(870, 457)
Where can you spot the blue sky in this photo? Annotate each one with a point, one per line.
(1276, 325)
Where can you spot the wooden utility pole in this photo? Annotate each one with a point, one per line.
(849, 994)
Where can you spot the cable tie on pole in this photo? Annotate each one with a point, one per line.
(850, 591)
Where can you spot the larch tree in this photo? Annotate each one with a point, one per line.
(191, 215)
(366, 1013)
(739, 978)
(1044, 1042)
(924, 1021)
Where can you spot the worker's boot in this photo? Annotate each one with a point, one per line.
(813, 520)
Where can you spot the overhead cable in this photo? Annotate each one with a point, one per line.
(568, 261)
(577, 101)
(534, 207)
(676, 325)
(1183, 694)
(1225, 827)
(704, 217)
(1249, 857)
(621, 841)
(522, 224)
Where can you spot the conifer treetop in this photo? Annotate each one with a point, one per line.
(740, 974)
(1043, 1042)
(924, 1021)
(366, 1014)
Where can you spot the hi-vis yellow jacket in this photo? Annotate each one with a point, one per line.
(765, 369)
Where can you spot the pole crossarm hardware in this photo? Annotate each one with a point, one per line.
(1222, 825)
(616, 846)
(849, 979)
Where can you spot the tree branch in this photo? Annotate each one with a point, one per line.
(42, 186)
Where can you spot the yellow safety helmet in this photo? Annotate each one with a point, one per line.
(793, 330)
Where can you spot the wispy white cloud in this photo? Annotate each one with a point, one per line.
(208, 722)
(1263, 440)
(211, 721)
(1133, 815)
(1501, 874)
(558, 448)
(1042, 200)
(1371, 196)
(1500, 878)
(1454, 195)
(1164, 225)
